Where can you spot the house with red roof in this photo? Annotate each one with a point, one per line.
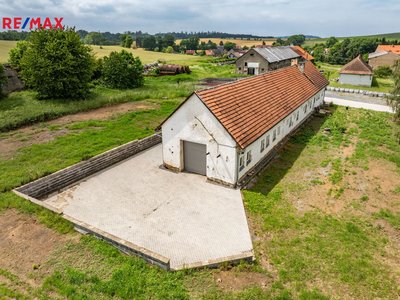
(228, 131)
(356, 72)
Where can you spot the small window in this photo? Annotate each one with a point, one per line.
(245, 64)
(262, 145)
(274, 135)
(248, 158)
(241, 163)
(310, 104)
(239, 68)
(291, 121)
(262, 69)
(279, 130)
(297, 115)
(267, 141)
(305, 108)
(251, 54)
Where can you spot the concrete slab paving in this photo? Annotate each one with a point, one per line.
(180, 216)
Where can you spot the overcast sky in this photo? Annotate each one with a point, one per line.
(258, 17)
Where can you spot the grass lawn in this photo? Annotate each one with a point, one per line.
(5, 47)
(22, 108)
(324, 216)
(332, 72)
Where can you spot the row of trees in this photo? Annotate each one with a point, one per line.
(57, 64)
(297, 40)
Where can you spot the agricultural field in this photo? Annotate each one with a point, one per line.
(5, 47)
(101, 51)
(324, 216)
(239, 42)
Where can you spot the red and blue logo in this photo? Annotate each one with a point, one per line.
(19, 23)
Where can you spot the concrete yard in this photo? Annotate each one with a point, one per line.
(179, 216)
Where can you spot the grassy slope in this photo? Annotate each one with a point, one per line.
(388, 36)
(314, 254)
(22, 108)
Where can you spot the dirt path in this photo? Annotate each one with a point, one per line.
(43, 132)
(25, 244)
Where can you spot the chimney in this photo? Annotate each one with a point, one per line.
(301, 67)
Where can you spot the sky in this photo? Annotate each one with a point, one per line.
(258, 17)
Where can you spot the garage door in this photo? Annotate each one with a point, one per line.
(195, 157)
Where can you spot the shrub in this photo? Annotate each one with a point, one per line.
(383, 72)
(122, 71)
(16, 54)
(57, 64)
(394, 99)
(98, 69)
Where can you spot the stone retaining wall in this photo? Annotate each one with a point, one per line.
(354, 91)
(64, 178)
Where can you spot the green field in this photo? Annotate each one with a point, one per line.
(317, 235)
(387, 36)
(145, 56)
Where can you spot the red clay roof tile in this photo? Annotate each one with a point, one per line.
(357, 66)
(250, 107)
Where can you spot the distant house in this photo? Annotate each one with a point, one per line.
(227, 131)
(389, 48)
(384, 55)
(261, 60)
(209, 53)
(190, 52)
(303, 53)
(356, 72)
(233, 53)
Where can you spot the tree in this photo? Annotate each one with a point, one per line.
(169, 49)
(57, 64)
(331, 41)
(383, 72)
(95, 38)
(16, 54)
(127, 41)
(122, 71)
(149, 43)
(394, 99)
(319, 53)
(191, 43)
(296, 40)
(229, 46)
(3, 80)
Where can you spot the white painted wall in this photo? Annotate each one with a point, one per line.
(193, 122)
(362, 80)
(285, 129)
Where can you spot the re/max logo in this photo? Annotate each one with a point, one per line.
(31, 23)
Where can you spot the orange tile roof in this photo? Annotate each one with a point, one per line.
(303, 53)
(250, 107)
(357, 66)
(388, 48)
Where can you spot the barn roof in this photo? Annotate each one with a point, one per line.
(302, 53)
(377, 54)
(249, 107)
(274, 54)
(389, 48)
(357, 66)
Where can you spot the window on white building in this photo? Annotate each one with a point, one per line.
(241, 163)
(267, 141)
(305, 108)
(297, 115)
(290, 121)
(274, 135)
(262, 145)
(248, 157)
(279, 130)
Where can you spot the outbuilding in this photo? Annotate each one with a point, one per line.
(226, 131)
(356, 72)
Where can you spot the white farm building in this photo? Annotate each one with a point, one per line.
(226, 131)
(356, 72)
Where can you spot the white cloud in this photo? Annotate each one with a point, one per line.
(262, 17)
